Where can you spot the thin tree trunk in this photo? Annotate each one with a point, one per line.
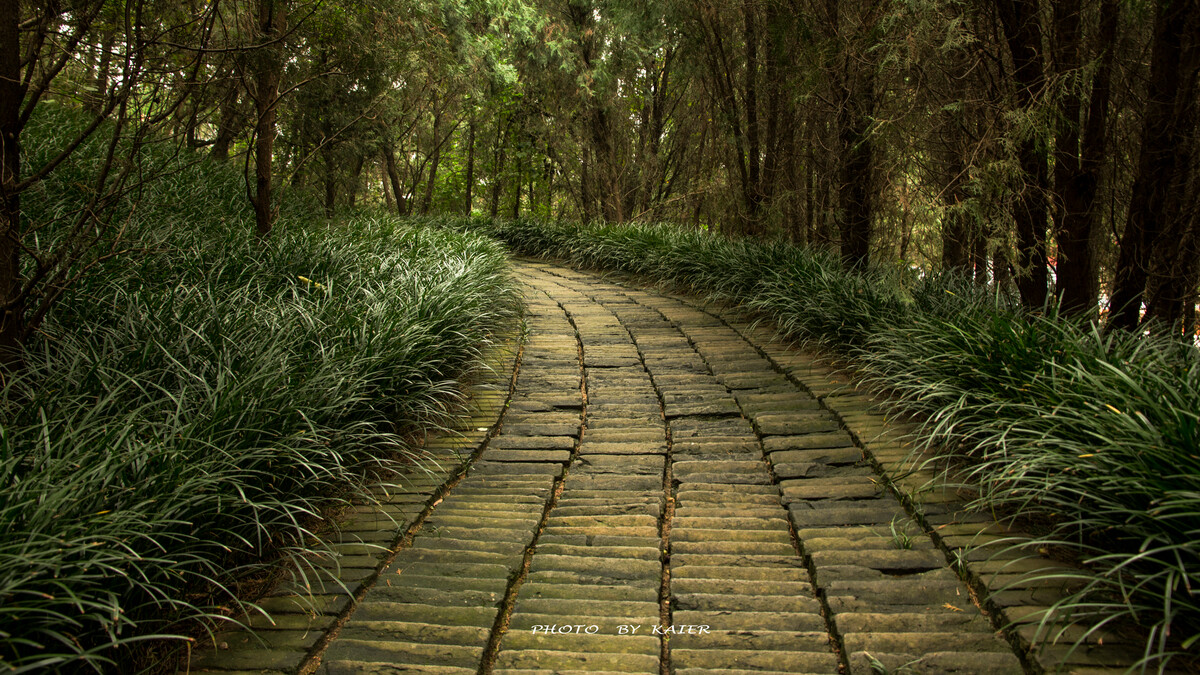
(393, 174)
(585, 192)
(857, 162)
(226, 124)
(1077, 176)
(753, 154)
(498, 159)
(427, 198)
(979, 258)
(12, 318)
(469, 197)
(387, 188)
(516, 208)
(271, 15)
(95, 103)
(356, 181)
(329, 180)
(1024, 36)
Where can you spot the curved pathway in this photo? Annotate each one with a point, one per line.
(668, 492)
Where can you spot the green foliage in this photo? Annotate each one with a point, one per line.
(1095, 434)
(189, 412)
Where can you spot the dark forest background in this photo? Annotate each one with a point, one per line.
(1048, 147)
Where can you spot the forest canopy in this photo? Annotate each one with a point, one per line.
(1048, 147)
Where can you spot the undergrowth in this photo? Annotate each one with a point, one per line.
(188, 409)
(1096, 434)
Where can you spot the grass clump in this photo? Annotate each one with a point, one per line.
(1096, 435)
(189, 411)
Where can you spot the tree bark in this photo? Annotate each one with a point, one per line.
(95, 102)
(427, 198)
(356, 181)
(1165, 157)
(387, 184)
(271, 17)
(1079, 156)
(469, 197)
(329, 181)
(393, 175)
(750, 99)
(227, 124)
(1023, 34)
(12, 320)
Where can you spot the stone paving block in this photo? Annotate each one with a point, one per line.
(557, 661)
(751, 621)
(392, 652)
(883, 559)
(305, 604)
(562, 456)
(361, 668)
(821, 441)
(697, 534)
(803, 515)
(602, 644)
(794, 425)
(584, 610)
(294, 640)
(782, 661)
(758, 640)
(936, 663)
(797, 574)
(415, 632)
(249, 659)
(613, 569)
(709, 602)
(535, 587)
(695, 585)
(917, 643)
(641, 553)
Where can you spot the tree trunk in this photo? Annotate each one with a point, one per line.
(585, 191)
(1024, 36)
(387, 184)
(469, 197)
(753, 154)
(1079, 157)
(516, 207)
(979, 258)
(271, 15)
(356, 181)
(226, 124)
(12, 320)
(498, 160)
(1165, 156)
(329, 180)
(427, 198)
(956, 233)
(857, 162)
(393, 174)
(95, 103)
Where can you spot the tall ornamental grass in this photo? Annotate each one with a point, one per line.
(1095, 435)
(188, 411)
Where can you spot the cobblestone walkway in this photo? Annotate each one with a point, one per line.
(669, 492)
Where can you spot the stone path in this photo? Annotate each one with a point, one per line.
(669, 492)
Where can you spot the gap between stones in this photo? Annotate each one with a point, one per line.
(312, 661)
(491, 651)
